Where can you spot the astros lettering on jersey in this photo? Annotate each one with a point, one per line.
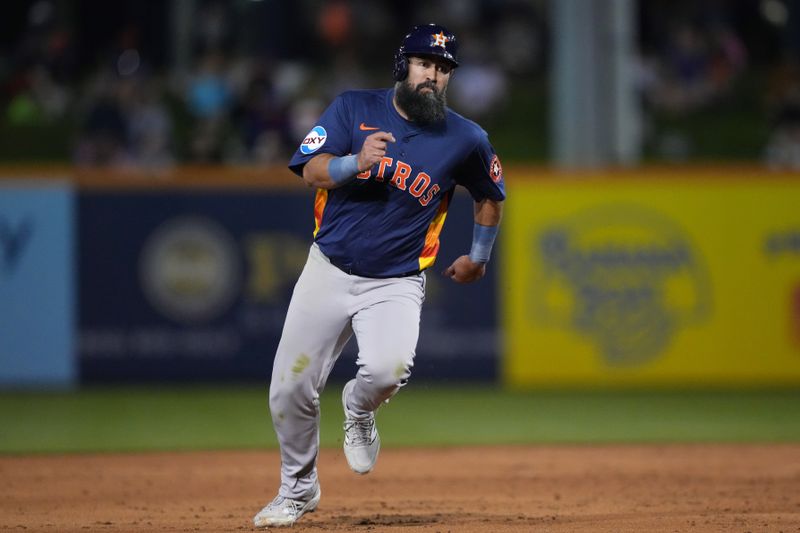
(387, 222)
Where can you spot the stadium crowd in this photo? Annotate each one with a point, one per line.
(257, 74)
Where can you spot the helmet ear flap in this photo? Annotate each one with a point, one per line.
(400, 70)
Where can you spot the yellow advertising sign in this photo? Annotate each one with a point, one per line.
(652, 282)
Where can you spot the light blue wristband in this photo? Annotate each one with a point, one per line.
(343, 169)
(482, 242)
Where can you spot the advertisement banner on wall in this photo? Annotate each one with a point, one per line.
(194, 285)
(36, 284)
(639, 282)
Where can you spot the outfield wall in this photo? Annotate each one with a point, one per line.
(187, 277)
(624, 279)
(652, 279)
(190, 284)
(37, 284)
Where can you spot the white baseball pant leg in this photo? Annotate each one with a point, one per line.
(327, 306)
(387, 329)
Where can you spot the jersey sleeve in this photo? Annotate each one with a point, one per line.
(481, 172)
(331, 135)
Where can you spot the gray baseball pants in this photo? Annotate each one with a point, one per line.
(327, 307)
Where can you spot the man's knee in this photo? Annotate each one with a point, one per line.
(387, 376)
(292, 396)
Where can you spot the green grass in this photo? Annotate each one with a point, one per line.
(185, 418)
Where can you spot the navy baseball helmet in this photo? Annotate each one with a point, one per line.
(425, 40)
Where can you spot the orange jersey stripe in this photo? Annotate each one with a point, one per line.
(319, 207)
(431, 248)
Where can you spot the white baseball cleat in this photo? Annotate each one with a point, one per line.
(284, 512)
(361, 440)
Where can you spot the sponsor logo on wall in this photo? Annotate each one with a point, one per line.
(212, 294)
(626, 278)
(189, 270)
(15, 235)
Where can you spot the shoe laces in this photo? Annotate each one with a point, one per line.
(286, 505)
(359, 432)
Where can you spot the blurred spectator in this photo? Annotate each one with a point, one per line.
(303, 115)
(259, 120)
(479, 89)
(103, 136)
(345, 73)
(518, 39)
(249, 98)
(209, 99)
(39, 69)
(783, 147)
(696, 67)
(52, 98)
(150, 128)
(213, 28)
(729, 57)
(261, 71)
(23, 110)
(208, 94)
(480, 86)
(335, 23)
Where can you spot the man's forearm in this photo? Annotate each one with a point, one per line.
(315, 172)
(487, 218)
(488, 212)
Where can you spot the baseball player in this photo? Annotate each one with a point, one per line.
(385, 164)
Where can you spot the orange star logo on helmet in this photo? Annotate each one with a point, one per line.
(440, 39)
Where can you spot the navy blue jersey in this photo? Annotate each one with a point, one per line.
(387, 221)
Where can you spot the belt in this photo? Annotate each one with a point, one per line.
(353, 272)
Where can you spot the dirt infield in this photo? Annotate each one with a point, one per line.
(703, 488)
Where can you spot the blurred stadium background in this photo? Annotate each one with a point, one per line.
(646, 286)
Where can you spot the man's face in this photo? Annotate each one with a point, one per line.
(426, 74)
(422, 95)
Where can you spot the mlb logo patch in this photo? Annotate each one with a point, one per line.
(314, 140)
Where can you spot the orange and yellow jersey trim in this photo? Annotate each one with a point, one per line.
(319, 207)
(431, 247)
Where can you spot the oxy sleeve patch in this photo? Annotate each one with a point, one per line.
(314, 140)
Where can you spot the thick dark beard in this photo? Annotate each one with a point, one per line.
(422, 108)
